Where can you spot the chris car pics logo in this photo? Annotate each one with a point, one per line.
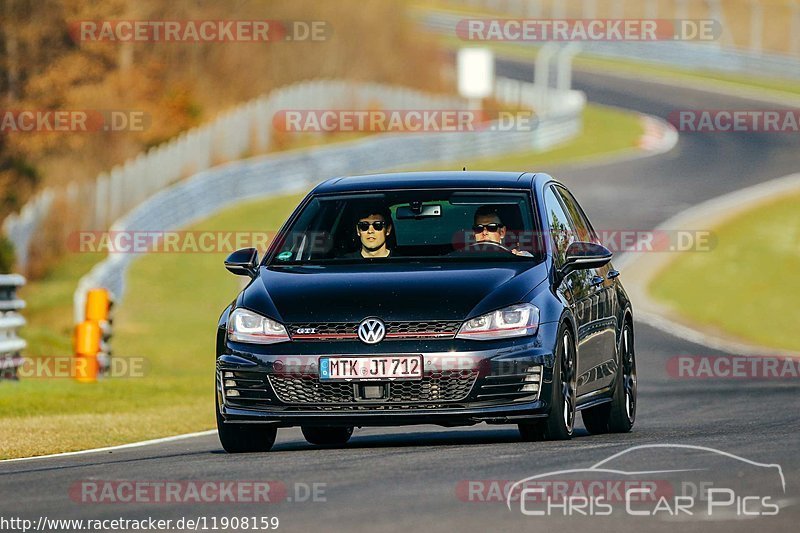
(661, 481)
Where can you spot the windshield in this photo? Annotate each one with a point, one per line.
(427, 225)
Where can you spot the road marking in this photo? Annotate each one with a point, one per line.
(114, 448)
(639, 269)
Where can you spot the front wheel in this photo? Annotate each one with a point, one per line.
(323, 436)
(619, 415)
(244, 438)
(561, 418)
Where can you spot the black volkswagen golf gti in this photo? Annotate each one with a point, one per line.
(447, 298)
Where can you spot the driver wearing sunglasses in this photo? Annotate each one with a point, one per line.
(373, 228)
(489, 227)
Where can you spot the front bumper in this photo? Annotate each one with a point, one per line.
(508, 382)
(448, 417)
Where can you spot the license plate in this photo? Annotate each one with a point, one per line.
(370, 368)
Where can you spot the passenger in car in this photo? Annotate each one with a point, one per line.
(489, 227)
(373, 227)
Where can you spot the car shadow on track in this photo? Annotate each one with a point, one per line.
(420, 438)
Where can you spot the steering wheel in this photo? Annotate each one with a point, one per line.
(488, 246)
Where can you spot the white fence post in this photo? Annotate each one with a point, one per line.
(280, 173)
(564, 66)
(541, 82)
(756, 26)
(794, 31)
(651, 9)
(589, 9)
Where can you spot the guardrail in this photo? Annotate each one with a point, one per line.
(211, 190)
(11, 321)
(719, 55)
(246, 129)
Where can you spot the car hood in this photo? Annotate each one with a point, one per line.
(349, 293)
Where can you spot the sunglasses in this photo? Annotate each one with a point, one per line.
(492, 228)
(363, 225)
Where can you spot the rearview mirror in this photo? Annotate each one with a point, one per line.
(585, 255)
(418, 211)
(243, 262)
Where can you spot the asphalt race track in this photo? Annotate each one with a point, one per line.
(413, 478)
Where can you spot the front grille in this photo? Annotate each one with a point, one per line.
(441, 386)
(394, 330)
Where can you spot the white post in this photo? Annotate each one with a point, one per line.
(541, 78)
(101, 203)
(756, 26)
(534, 9)
(559, 10)
(794, 31)
(651, 9)
(564, 66)
(617, 9)
(589, 9)
(715, 12)
(681, 9)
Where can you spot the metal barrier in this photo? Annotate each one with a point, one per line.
(10, 322)
(211, 190)
(719, 56)
(246, 129)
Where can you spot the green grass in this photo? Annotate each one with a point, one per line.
(167, 317)
(606, 131)
(746, 287)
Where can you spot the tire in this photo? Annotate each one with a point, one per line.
(560, 422)
(619, 415)
(327, 436)
(244, 438)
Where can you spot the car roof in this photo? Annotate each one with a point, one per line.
(427, 180)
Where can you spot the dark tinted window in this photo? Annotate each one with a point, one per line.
(423, 224)
(582, 226)
(561, 231)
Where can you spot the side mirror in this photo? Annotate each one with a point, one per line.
(243, 262)
(585, 255)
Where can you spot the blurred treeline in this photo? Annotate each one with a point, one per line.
(178, 85)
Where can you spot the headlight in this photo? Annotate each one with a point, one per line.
(247, 326)
(514, 321)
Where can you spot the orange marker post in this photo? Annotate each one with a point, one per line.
(97, 305)
(87, 345)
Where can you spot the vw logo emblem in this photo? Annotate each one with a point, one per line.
(371, 330)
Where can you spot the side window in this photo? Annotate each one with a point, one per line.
(562, 234)
(583, 228)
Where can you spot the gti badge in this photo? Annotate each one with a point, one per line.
(305, 331)
(371, 330)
